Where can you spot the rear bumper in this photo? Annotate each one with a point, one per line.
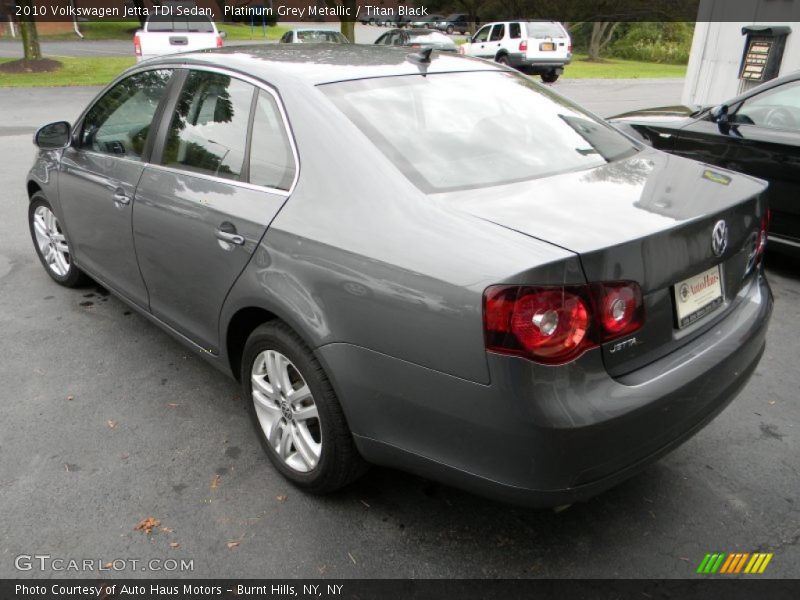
(522, 61)
(544, 436)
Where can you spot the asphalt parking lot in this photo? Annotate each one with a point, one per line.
(105, 421)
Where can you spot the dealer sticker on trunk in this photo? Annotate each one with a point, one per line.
(697, 296)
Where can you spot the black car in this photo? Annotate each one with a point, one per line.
(757, 133)
(454, 23)
(417, 38)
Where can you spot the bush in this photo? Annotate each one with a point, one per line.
(654, 42)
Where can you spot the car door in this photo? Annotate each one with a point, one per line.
(98, 176)
(224, 168)
(480, 41)
(762, 138)
(495, 42)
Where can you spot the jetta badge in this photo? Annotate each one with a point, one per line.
(719, 238)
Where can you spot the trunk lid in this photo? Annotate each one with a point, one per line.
(648, 218)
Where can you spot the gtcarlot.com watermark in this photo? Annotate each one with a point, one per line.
(48, 563)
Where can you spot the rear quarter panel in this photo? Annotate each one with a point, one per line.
(358, 255)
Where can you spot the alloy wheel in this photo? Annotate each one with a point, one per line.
(51, 241)
(286, 411)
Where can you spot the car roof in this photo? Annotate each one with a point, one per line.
(320, 63)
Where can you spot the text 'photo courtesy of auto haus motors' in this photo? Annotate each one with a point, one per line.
(437, 312)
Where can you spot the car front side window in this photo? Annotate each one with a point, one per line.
(119, 123)
(776, 108)
(483, 34)
(208, 133)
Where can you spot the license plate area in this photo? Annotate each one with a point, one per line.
(547, 46)
(698, 296)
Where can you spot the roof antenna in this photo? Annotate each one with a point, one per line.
(422, 57)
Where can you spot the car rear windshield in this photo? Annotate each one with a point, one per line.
(321, 36)
(451, 131)
(180, 24)
(544, 30)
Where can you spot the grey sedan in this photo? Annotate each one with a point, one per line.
(517, 299)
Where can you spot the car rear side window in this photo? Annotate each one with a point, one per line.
(271, 159)
(498, 33)
(514, 31)
(119, 122)
(451, 131)
(208, 132)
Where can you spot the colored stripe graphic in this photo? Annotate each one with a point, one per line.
(732, 564)
(711, 563)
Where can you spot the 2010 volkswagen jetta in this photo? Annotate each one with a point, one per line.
(416, 260)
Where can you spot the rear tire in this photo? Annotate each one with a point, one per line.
(549, 77)
(449, 30)
(296, 414)
(502, 60)
(51, 244)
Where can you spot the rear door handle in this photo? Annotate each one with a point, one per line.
(121, 199)
(227, 233)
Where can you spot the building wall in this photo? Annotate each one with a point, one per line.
(717, 48)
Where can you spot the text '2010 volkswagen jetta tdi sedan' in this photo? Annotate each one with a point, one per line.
(423, 261)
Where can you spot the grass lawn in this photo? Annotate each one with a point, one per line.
(124, 30)
(76, 71)
(101, 70)
(613, 68)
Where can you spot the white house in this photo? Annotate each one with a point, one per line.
(717, 57)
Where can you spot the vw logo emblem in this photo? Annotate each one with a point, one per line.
(719, 238)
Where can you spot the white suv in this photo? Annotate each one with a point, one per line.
(535, 47)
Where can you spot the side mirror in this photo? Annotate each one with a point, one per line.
(719, 114)
(53, 136)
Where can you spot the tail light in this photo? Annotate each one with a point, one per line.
(523, 46)
(137, 45)
(569, 48)
(761, 243)
(219, 41)
(555, 325)
(461, 50)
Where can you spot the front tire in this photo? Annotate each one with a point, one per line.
(450, 30)
(296, 413)
(51, 244)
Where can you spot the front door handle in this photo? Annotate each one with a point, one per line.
(227, 233)
(121, 199)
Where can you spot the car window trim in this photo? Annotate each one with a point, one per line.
(259, 84)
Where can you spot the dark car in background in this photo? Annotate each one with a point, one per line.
(455, 23)
(757, 133)
(426, 22)
(533, 321)
(417, 38)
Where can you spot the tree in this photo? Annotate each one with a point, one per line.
(30, 37)
(602, 33)
(347, 18)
